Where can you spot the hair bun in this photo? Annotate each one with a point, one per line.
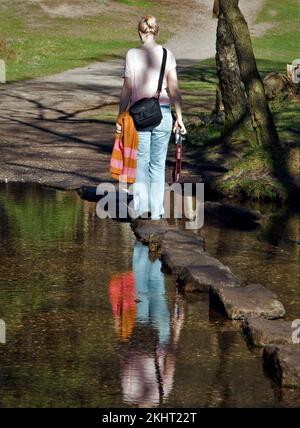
(151, 21)
(148, 24)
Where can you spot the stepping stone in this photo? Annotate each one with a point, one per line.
(251, 301)
(282, 362)
(262, 332)
(144, 229)
(182, 240)
(180, 249)
(207, 272)
(176, 260)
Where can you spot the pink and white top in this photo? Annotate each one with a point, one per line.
(143, 65)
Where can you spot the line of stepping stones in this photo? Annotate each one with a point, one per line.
(259, 310)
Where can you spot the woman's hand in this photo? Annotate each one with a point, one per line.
(118, 128)
(180, 125)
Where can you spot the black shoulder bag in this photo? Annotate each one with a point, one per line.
(146, 113)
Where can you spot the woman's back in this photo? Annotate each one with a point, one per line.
(142, 66)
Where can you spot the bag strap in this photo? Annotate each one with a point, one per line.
(162, 71)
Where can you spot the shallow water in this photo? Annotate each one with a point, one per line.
(92, 322)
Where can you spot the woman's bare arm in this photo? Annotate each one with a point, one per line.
(125, 95)
(175, 96)
(124, 99)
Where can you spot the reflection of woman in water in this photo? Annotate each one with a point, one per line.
(148, 349)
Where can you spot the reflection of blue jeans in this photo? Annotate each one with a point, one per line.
(150, 289)
(148, 191)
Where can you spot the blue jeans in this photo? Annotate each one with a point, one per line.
(149, 188)
(150, 290)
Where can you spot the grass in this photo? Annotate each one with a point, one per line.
(249, 178)
(198, 87)
(281, 42)
(33, 55)
(34, 43)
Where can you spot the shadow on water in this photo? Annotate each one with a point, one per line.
(91, 321)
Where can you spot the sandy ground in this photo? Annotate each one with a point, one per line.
(198, 39)
(43, 134)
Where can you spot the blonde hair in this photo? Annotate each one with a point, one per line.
(148, 24)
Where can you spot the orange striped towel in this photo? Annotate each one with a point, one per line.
(124, 154)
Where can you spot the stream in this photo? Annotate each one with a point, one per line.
(89, 320)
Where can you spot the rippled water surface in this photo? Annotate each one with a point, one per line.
(89, 320)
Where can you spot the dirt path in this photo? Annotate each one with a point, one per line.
(44, 136)
(197, 40)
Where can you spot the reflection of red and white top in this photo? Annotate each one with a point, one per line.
(122, 298)
(143, 65)
(140, 382)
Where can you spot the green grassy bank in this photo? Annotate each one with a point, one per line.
(37, 41)
(247, 177)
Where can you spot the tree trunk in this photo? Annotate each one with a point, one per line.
(218, 114)
(232, 89)
(262, 119)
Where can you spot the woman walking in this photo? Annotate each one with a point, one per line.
(143, 66)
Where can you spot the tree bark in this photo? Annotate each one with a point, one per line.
(230, 83)
(218, 114)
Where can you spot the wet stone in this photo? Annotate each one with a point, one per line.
(175, 261)
(207, 272)
(180, 249)
(154, 243)
(250, 301)
(282, 362)
(262, 332)
(145, 229)
(182, 240)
